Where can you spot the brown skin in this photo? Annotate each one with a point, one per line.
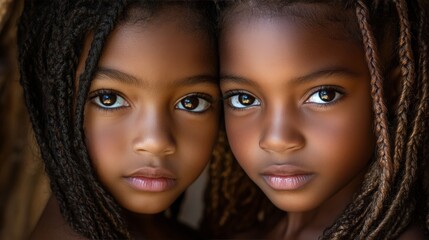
(155, 226)
(148, 130)
(146, 141)
(305, 148)
(307, 154)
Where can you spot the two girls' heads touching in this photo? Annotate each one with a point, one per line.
(324, 103)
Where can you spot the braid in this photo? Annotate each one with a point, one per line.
(103, 207)
(414, 140)
(234, 202)
(380, 118)
(84, 203)
(407, 70)
(400, 203)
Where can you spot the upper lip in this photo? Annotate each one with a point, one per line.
(152, 172)
(285, 170)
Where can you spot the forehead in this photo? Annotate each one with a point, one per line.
(325, 17)
(185, 17)
(143, 42)
(288, 45)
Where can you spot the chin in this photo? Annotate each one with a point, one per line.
(292, 204)
(148, 207)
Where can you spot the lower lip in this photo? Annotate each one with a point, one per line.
(151, 184)
(293, 182)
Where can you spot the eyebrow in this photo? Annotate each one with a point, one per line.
(324, 73)
(103, 72)
(321, 73)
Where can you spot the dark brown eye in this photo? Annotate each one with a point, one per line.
(108, 99)
(246, 99)
(327, 95)
(194, 103)
(190, 103)
(241, 100)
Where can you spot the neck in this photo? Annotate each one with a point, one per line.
(158, 226)
(143, 225)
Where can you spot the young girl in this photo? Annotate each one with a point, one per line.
(326, 108)
(123, 100)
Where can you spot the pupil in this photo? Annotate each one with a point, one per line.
(327, 95)
(108, 99)
(190, 103)
(246, 99)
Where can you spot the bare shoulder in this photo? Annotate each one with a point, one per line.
(413, 233)
(52, 225)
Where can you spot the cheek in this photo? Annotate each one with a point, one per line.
(243, 137)
(346, 141)
(196, 138)
(104, 140)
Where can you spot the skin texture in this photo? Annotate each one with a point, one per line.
(306, 154)
(151, 121)
(150, 137)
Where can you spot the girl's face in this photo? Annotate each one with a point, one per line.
(298, 109)
(151, 118)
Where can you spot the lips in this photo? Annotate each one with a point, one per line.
(150, 179)
(286, 177)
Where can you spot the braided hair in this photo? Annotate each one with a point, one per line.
(51, 35)
(394, 35)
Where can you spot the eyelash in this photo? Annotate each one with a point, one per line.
(326, 88)
(232, 93)
(339, 94)
(98, 93)
(202, 96)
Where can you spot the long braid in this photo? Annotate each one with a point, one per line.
(356, 212)
(93, 230)
(400, 196)
(212, 198)
(93, 218)
(418, 129)
(408, 72)
(405, 210)
(103, 207)
(380, 117)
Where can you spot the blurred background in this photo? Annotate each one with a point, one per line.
(24, 188)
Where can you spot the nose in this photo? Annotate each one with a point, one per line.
(153, 133)
(280, 133)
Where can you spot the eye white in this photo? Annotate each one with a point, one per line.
(118, 102)
(201, 105)
(316, 98)
(234, 101)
